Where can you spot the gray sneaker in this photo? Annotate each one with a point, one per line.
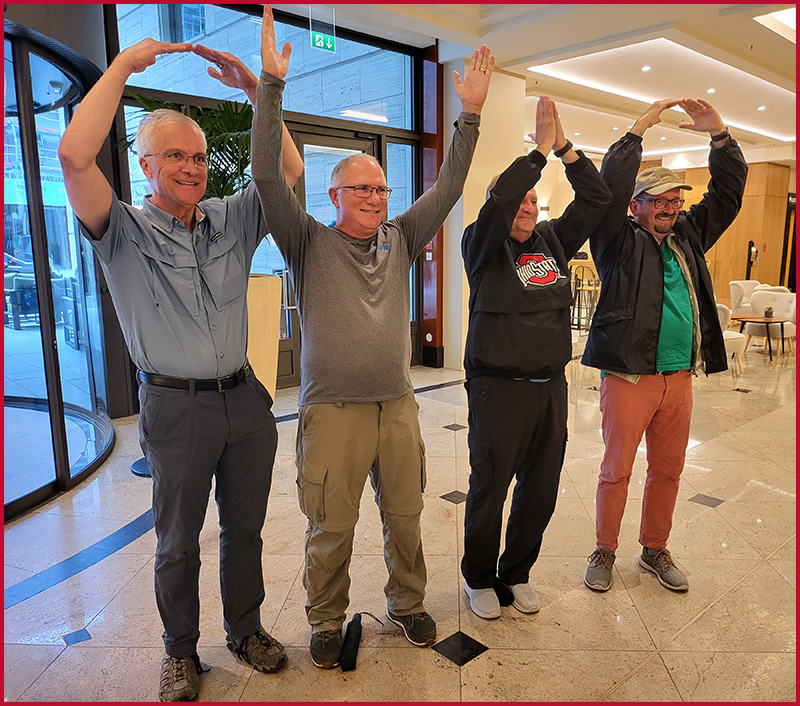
(180, 678)
(326, 648)
(660, 563)
(260, 649)
(598, 574)
(419, 628)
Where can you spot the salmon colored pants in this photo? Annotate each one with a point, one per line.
(660, 408)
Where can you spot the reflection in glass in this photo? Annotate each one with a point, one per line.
(29, 455)
(362, 83)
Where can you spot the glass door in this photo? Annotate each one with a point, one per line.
(320, 154)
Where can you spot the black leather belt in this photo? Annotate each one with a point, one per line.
(216, 384)
(668, 372)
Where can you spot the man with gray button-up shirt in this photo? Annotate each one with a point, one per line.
(178, 272)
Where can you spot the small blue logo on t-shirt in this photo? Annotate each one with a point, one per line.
(384, 246)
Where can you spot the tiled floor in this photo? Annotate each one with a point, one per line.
(731, 637)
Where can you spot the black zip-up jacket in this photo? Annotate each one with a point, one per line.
(627, 321)
(520, 292)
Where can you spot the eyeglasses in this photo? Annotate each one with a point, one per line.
(662, 203)
(179, 157)
(364, 192)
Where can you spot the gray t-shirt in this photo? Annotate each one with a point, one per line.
(352, 294)
(181, 297)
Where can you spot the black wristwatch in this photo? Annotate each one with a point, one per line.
(725, 133)
(566, 148)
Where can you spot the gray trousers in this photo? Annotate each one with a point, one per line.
(189, 437)
(338, 446)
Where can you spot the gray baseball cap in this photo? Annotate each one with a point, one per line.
(657, 180)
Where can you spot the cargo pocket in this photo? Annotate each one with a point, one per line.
(311, 491)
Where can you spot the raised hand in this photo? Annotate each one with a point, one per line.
(273, 62)
(473, 89)
(139, 56)
(652, 116)
(545, 135)
(230, 70)
(704, 116)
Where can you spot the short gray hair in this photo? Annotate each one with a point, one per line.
(150, 122)
(338, 171)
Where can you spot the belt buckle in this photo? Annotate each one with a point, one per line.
(219, 385)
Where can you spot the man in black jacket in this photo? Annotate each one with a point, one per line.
(518, 345)
(655, 325)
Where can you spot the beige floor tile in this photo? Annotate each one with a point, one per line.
(23, 664)
(665, 612)
(787, 569)
(92, 674)
(649, 682)
(758, 615)
(72, 604)
(387, 674)
(765, 525)
(777, 446)
(726, 676)
(740, 481)
(557, 675)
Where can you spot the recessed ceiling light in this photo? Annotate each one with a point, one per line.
(710, 90)
(645, 68)
(615, 128)
(576, 134)
(762, 107)
(662, 138)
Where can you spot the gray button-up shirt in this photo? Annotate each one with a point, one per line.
(181, 297)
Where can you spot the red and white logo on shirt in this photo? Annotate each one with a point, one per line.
(538, 269)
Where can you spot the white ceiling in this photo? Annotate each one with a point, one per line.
(589, 58)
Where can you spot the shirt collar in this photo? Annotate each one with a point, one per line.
(166, 221)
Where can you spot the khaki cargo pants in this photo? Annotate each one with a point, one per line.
(338, 446)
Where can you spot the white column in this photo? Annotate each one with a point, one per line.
(501, 141)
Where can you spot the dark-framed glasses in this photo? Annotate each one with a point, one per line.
(364, 192)
(180, 157)
(662, 203)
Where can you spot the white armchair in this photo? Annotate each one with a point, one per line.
(734, 341)
(772, 288)
(783, 305)
(741, 289)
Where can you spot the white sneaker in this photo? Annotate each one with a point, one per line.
(525, 598)
(483, 602)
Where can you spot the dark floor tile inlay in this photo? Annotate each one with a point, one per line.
(740, 389)
(460, 648)
(701, 499)
(455, 497)
(455, 427)
(77, 636)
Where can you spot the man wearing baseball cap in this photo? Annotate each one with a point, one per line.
(655, 325)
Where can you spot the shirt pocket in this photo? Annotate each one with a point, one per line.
(224, 273)
(173, 277)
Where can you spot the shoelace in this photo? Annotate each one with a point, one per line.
(180, 664)
(241, 650)
(327, 634)
(664, 556)
(601, 556)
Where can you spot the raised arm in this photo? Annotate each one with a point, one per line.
(721, 203)
(88, 190)
(473, 89)
(486, 235)
(231, 71)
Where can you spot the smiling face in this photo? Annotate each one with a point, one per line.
(177, 188)
(658, 221)
(356, 216)
(526, 217)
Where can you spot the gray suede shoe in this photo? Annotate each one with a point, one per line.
(660, 563)
(598, 574)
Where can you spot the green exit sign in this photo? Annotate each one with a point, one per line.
(326, 42)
